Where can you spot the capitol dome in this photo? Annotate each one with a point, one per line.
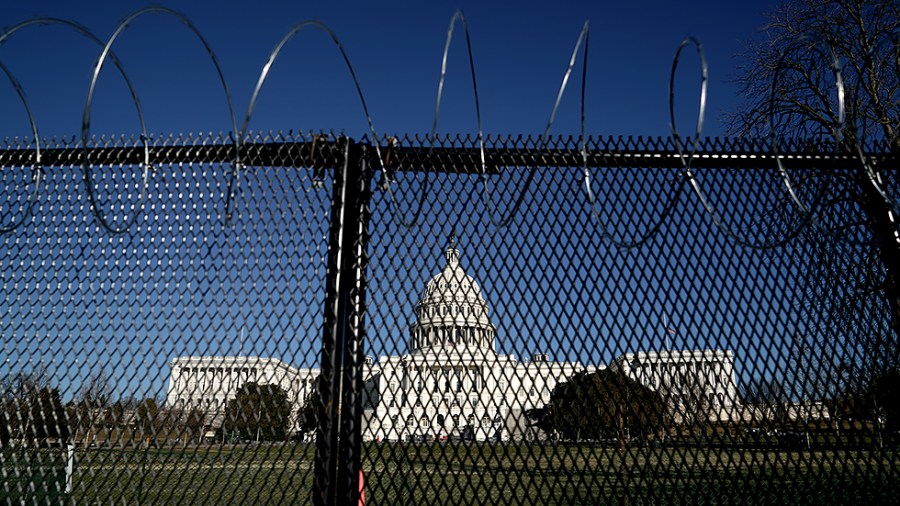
(452, 312)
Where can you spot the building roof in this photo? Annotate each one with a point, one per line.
(452, 297)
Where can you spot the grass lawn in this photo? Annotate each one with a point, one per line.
(32, 477)
(462, 474)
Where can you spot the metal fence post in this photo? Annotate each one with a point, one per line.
(352, 391)
(340, 385)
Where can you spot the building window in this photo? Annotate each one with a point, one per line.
(455, 419)
(423, 422)
(440, 420)
(533, 392)
(474, 400)
(394, 420)
(410, 421)
(486, 422)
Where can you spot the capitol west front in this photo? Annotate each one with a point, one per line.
(452, 383)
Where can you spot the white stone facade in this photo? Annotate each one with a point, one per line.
(452, 384)
(208, 383)
(687, 378)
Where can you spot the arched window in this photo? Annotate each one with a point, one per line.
(410, 421)
(423, 422)
(455, 419)
(471, 420)
(486, 422)
(440, 420)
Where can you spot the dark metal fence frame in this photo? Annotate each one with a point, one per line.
(354, 165)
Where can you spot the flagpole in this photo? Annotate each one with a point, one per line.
(666, 332)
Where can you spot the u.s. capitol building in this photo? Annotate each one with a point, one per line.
(452, 383)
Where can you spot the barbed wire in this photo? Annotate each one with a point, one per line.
(37, 168)
(86, 119)
(36, 165)
(458, 16)
(687, 173)
(264, 74)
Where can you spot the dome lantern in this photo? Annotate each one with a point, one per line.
(452, 254)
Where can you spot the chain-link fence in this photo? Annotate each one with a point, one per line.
(529, 321)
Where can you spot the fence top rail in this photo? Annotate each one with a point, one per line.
(459, 155)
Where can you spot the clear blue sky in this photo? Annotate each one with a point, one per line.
(520, 55)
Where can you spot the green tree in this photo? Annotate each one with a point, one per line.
(852, 287)
(32, 408)
(5, 436)
(148, 419)
(115, 415)
(188, 423)
(309, 413)
(259, 412)
(37, 416)
(602, 404)
(769, 397)
(47, 415)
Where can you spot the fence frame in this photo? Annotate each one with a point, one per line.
(354, 165)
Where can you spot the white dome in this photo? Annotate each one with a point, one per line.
(452, 310)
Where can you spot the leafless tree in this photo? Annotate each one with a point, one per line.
(24, 383)
(90, 411)
(768, 396)
(788, 82)
(795, 53)
(97, 391)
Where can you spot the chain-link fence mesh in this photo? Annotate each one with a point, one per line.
(725, 335)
